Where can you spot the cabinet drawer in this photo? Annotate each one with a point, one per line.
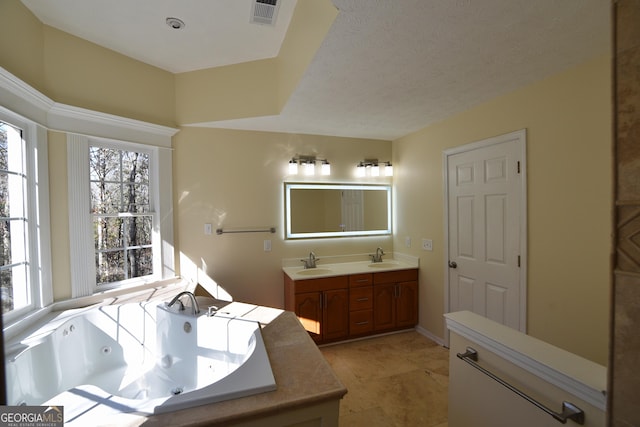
(360, 298)
(356, 280)
(360, 322)
(395, 276)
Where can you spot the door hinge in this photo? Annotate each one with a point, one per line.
(518, 166)
(518, 260)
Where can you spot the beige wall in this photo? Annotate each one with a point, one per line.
(234, 91)
(76, 72)
(568, 122)
(22, 43)
(257, 88)
(86, 75)
(235, 179)
(567, 118)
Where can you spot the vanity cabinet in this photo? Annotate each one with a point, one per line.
(395, 298)
(360, 304)
(355, 305)
(322, 305)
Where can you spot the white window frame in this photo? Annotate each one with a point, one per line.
(82, 245)
(38, 242)
(21, 103)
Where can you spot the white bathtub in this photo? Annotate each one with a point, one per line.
(140, 358)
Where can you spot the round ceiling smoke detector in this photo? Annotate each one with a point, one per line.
(175, 23)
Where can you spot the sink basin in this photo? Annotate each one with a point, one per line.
(383, 264)
(314, 272)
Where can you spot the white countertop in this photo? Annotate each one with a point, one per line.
(331, 269)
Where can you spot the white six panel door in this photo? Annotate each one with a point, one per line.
(484, 208)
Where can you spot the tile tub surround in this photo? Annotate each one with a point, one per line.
(305, 382)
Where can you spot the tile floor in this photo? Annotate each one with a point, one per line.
(395, 380)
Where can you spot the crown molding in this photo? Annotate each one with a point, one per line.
(23, 99)
(27, 101)
(72, 119)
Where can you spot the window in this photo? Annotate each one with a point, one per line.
(120, 223)
(25, 263)
(127, 243)
(122, 214)
(13, 222)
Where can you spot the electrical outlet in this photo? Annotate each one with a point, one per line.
(427, 244)
(208, 229)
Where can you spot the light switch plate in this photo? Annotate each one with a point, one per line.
(267, 245)
(407, 241)
(208, 229)
(427, 244)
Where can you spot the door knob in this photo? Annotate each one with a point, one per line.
(453, 264)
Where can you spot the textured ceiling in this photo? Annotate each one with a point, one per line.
(390, 67)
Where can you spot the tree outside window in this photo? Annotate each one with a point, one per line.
(15, 291)
(122, 215)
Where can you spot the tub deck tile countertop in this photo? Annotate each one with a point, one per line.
(303, 378)
(305, 382)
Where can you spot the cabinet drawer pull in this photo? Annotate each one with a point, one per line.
(363, 299)
(362, 323)
(362, 280)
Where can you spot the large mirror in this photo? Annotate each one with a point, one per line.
(336, 210)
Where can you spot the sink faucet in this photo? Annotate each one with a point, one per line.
(311, 261)
(378, 255)
(194, 304)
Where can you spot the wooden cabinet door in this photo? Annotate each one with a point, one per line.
(308, 308)
(407, 304)
(335, 319)
(384, 306)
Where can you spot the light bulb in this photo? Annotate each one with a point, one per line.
(375, 170)
(325, 168)
(293, 167)
(309, 168)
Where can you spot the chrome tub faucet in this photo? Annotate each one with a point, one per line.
(194, 304)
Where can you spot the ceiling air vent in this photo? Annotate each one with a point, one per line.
(265, 11)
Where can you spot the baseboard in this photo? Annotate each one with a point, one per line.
(430, 335)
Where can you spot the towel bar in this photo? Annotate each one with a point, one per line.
(266, 230)
(569, 410)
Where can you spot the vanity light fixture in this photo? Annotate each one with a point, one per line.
(308, 165)
(372, 167)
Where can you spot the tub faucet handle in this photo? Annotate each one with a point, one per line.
(192, 297)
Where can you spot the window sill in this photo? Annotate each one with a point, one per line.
(13, 329)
